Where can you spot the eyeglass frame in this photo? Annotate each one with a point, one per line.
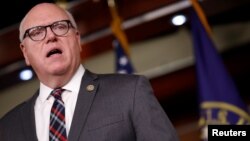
(27, 33)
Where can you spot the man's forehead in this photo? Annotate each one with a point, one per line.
(38, 18)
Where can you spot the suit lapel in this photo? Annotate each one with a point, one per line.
(85, 99)
(28, 119)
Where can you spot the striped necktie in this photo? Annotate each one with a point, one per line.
(57, 129)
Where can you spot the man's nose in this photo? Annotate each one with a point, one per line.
(50, 32)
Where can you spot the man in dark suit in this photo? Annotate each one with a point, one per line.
(107, 107)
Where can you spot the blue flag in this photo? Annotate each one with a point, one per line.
(123, 63)
(220, 102)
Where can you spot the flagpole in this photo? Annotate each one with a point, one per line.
(116, 26)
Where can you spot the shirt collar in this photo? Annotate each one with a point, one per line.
(73, 85)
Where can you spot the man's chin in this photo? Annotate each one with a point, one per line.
(58, 71)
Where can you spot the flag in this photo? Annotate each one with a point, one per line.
(120, 43)
(220, 101)
(123, 63)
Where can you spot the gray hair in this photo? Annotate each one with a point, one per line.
(21, 30)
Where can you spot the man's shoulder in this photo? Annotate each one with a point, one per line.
(120, 77)
(117, 79)
(14, 113)
(122, 80)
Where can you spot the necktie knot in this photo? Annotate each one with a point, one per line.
(57, 93)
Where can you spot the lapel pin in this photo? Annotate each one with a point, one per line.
(90, 88)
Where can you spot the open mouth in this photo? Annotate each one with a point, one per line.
(53, 52)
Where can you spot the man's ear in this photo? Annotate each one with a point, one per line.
(79, 39)
(24, 54)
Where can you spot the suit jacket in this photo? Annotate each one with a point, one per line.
(119, 108)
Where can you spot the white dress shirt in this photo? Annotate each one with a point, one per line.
(44, 103)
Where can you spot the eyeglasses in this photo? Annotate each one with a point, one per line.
(38, 33)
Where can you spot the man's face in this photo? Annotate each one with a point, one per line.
(54, 55)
